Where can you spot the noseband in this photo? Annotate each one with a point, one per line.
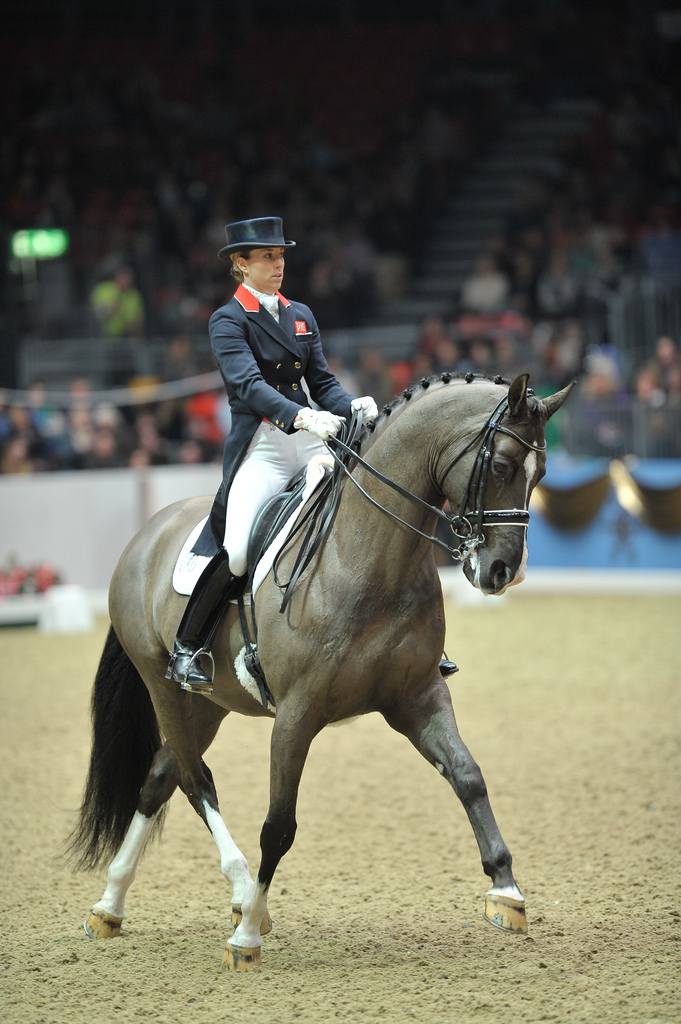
(469, 522)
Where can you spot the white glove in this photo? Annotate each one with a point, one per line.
(366, 405)
(317, 421)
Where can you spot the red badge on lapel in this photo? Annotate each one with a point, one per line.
(301, 327)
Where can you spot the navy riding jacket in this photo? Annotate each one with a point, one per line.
(263, 363)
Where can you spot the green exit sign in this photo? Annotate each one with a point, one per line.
(39, 244)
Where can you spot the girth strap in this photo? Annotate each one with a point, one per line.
(251, 658)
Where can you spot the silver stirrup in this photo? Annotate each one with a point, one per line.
(199, 687)
(184, 683)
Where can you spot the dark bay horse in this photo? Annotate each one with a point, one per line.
(364, 631)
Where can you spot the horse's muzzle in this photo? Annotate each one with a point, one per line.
(495, 567)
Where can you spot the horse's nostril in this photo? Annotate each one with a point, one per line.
(500, 574)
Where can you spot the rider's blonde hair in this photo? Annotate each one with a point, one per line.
(235, 272)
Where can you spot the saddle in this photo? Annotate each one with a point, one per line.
(271, 518)
(275, 513)
(266, 527)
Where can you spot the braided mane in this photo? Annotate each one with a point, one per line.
(416, 391)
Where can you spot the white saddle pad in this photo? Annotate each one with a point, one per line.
(189, 566)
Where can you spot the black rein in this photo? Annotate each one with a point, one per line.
(466, 525)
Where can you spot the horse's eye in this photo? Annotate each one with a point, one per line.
(503, 470)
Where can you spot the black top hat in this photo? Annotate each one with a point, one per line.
(259, 233)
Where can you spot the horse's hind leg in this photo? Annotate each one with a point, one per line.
(196, 782)
(431, 726)
(106, 916)
(164, 777)
(181, 720)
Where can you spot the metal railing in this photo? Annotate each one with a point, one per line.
(640, 312)
(631, 319)
(105, 362)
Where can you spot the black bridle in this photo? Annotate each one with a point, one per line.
(469, 522)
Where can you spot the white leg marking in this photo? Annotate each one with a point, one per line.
(123, 867)
(254, 908)
(506, 890)
(233, 864)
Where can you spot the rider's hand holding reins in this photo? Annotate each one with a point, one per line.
(317, 421)
(366, 406)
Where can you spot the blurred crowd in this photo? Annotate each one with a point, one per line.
(132, 147)
(142, 150)
(92, 434)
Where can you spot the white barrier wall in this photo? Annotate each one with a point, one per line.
(80, 522)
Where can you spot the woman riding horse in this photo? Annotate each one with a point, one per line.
(362, 634)
(264, 345)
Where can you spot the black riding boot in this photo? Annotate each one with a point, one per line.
(215, 587)
(448, 668)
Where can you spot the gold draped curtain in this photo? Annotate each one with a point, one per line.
(574, 508)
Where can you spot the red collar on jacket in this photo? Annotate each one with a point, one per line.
(249, 301)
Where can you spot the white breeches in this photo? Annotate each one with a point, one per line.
(271, 459)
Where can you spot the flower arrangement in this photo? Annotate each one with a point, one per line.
(16, 579)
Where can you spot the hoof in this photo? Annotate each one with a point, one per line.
(265, 924)
(238, 958)
(506, 913)
(101, 925)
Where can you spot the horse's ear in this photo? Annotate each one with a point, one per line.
(517, 397)
(553, 402)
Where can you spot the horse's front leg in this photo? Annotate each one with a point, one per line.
(430, 724)
(291, 738)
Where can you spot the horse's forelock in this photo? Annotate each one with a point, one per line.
(537, 408)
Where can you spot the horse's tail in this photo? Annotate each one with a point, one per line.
(125, 737)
